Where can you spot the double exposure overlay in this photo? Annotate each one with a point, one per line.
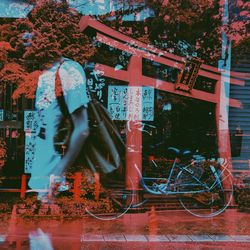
(124, 121)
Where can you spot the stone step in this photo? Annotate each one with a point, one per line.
(161, 202)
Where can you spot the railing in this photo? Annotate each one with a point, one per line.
(76, 190)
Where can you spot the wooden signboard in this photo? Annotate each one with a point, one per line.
(188, 75)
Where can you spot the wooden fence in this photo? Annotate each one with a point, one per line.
(76, 190)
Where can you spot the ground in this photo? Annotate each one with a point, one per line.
(171, 229)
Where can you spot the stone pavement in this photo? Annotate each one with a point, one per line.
(163, 238)
(166, 229)
(118, 241)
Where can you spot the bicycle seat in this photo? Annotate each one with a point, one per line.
(174, 151)
(178, 152)
(186, 153)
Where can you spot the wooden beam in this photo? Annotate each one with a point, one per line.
(153, 52)
(142, 53)
(163, 85)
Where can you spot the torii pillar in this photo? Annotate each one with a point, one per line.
(134, 136)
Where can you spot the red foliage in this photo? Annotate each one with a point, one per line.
(12, 73)
(191, 22)
(3, 152)
(195, 23)
(55, 32)
(28, 85)
(6, 46)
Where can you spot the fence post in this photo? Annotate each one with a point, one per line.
(23, 186)
(97, 186)
(77, 185)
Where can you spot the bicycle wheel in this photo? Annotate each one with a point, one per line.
(207, 194)
(113, 203)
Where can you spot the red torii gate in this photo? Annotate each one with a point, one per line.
(134, 77)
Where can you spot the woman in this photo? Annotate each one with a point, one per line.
(50, 37)
(47, 161)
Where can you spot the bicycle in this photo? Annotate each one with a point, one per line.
(204, 187)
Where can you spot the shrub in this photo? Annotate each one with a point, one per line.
(242, 191)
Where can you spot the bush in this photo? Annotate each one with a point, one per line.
(64, 204)
(242, 191)
(3, 152)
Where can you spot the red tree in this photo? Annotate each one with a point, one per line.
(55, 31)
(187, 27)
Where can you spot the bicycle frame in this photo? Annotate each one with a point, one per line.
(168, 191)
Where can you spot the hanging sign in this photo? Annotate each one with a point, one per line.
(1, 115)
(30, 121)
(131, 103)
(188, 75)
(30, 127)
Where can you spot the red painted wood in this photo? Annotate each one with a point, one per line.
(118, 38)
(97, 186)
(137, 51)
(14, 190)
(145, 54)
(134, 136)
(163, 85)
(77, 185)
(108, 71)
(23, 186)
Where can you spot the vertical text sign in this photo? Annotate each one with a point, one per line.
(30, 127)
(1, 115)
(131, 103)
